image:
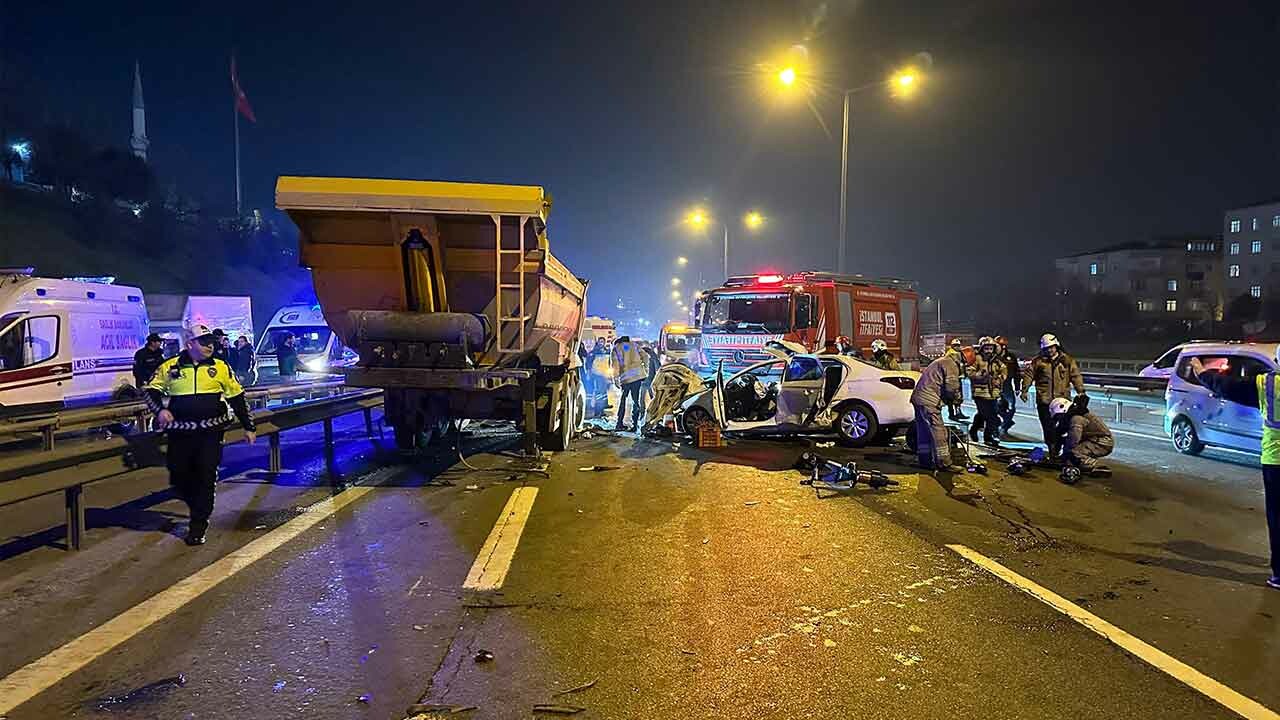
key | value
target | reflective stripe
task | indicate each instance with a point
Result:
(1267, 400)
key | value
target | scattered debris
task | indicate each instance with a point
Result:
(259, 527)
(146, 693)
(279, 685)
(473, 487)
(363, 699)
(424, 522)
(587, 435)
(558, 709)
(687, 652)
(706, 540)
(751, 503)
(599, 468)
(825, 444)
(827, 474)
(915, 628)
(579, 688)
(484, 656)
(419, 628)
(828, 642)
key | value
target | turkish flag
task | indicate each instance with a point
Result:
(242, 101)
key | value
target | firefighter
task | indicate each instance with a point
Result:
(939, 384)
(955, 408)
(881, 356)
(630, 369)
(986, 379)
(1054, 374)
(1085, 438)
(187, 396)
(845, 346)
(1012, 383)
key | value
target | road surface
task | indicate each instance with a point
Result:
(681, 583)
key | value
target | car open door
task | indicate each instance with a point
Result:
(802, 394)
(717, 396)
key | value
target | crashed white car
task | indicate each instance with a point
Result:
(799, 392)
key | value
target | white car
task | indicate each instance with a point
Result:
(798, 392)
(1162, 367)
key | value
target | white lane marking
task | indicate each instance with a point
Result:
(1243, 706)
(30, 680)
(491, 565)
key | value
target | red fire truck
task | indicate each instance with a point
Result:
(811, 308)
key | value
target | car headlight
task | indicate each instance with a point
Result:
(317, 365)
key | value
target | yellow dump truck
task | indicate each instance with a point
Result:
(451, 297)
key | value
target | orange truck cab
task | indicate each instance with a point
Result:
(810, 308)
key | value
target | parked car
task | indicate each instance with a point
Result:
(799, 392)
(1195, 417)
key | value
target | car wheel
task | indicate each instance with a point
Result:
(1185, 439)
(857, 424)
(694, 418)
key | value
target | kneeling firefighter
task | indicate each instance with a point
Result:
(187, 396)
(1085, 438)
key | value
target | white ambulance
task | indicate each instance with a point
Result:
(66, 342)
(319, 348)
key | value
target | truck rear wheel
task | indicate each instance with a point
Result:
(559, 438)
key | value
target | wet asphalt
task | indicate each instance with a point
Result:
(685, 583)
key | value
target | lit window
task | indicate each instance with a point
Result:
(1255, 291)
(1146, 306)
(1172, 285)
(1188, 247)
(1255, 223)
(1255, 247)
(1093, 268)
(1235, 226)
(1275, 221)
(1235, 249)
(1233, 271)
(1171, 306)
(1195, 305)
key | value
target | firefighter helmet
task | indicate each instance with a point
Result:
(1049, 340)
(1059, 406)
(879, 345)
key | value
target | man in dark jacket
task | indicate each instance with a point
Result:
(147, 359)
(1054, 374)
(287, 357)
(1012, 383)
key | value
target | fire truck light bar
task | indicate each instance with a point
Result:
(768, 279)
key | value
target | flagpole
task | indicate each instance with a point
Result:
(235, 112)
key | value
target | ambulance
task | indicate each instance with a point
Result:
(320, 351)
(66, 342)
(678, 342)
(812, 309)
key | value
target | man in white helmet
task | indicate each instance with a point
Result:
(190, 394)
(881, 356)
(1085, 438)
(1054, 374)
(1264, 391)
(986, 381)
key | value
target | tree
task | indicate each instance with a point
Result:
(113, 174)
(61, 158)
(1244, 308)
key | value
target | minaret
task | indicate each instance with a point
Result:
(139, 140)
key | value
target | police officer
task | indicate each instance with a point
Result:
(187, 395)
(1054, 374)
(1261, 390)
(629, 371)
(881, 356)
(147, 359)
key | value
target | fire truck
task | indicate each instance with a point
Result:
(810, 308)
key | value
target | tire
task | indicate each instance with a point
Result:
(1184, 437)
(857, 424)
(559, 439)
(406, 437)
(695, 417)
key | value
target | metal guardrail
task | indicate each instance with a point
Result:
(1130, 382)
(1111, 365)
(50, 425)
(69, 468)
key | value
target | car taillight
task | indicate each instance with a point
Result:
(902, 383)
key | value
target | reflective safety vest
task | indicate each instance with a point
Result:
(1270, 417)
(630, 365)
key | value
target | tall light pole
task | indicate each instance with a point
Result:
(698, 219)
(903, 84)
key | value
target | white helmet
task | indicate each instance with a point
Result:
(198, 331)
(879, 345)
(986, 340)
(1059, 406)
(1048, 340)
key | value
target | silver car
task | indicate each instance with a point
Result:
(1195, 418)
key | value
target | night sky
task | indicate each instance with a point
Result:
(1043, 128)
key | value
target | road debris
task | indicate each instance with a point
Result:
(145, 694)
(472, 487)
(827, 474)
(279, 685)
(751, 503)
(706, 540)
(824, 444)
(424, 522)
(578, 688)
(423, 710)
(420, 628)
(484, 656)
(599, 468)
(828, 642)
(558, 709)
(363, 698)
(687, 652)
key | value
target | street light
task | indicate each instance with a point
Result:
(698, 219)
(903, 84)
(682, 261)
(675, 295)
(787, 76)
(675, 281)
